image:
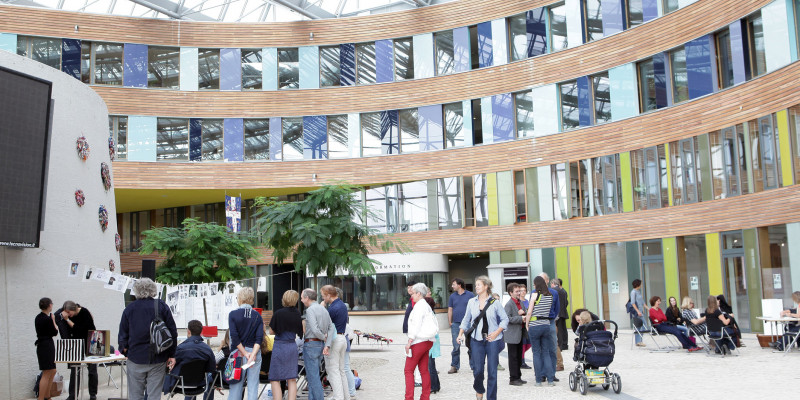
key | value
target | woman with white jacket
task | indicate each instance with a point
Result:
(422, 330)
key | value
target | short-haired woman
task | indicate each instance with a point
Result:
(718, 321)
(486, 336)
(286, 324)
(660, 323)
(247, 331)
(45, 325)
(687, 311)
(420, 341)
(538, 320)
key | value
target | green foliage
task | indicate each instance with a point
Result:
(322, 232)
(200, 252)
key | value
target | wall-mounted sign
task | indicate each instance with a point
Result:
(393, 263)
(614, 287)
(776, 281)
(518, 272)
(694, 283)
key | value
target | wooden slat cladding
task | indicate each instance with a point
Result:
(772, 207)
(672, 30)
(753, 99)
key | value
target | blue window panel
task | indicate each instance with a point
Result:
(390, 132)
(741, 68)
(142, 134)
(276, 139)
(309, 67)
(195, 139)
(233, 139)
(777, 48)
(424, 65)
(536, 28)
(135, 65)
(315, 137)
(584, 102)
(8, 42)
(461, 51)
(188, 78)
(624, 91)
(230, 69)
(384, 61)
(431, 131)
(347, 61)
(699, 62)
(499, 42)
(650, 10)
(269, 71)
(485, 55)
(660, 74)
(71, 57)
(502, 117)
(613, 12)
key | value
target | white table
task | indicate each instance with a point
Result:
(78, 367)
(783, 321)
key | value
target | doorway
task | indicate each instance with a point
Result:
(734, 277)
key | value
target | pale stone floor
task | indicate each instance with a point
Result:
(755, 374)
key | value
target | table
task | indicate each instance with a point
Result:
(783, 321)
(78, 366)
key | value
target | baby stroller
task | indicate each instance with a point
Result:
(594, 352)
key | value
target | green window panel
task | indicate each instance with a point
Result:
(704, 163)
(785, 148)
(532, 193)
(505, 198)
(670, 253)
(627, 181)
(714, 262)
(752, 263)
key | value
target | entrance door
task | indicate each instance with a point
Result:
(654, 284)
(735, 278)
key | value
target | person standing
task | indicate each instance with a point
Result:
(45, 325)
(563, 315)
(436, 351)
(555, 353)
(334, 360)
(146, 370)
(484, 322)
(456, 307)
(513, 335)
(286, 324)
(538, 317)
(639, 320)
(75, 322)
(420, 341)
(319, 334)
(247, 332)
(526, 340)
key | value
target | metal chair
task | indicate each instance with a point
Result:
(192, 379)
(720, 339)
(699, 333)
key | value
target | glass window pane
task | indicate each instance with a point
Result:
(212, 139)
(635, 13)
(639, 181)
(523, 103)
(107, 64)
(558, 177)
(755, 32)
(769, 154)
(208, 69)
(365, 58)
(453, 125)
(717, 165)
(252, 67)
(376, 209)
(481, 200)
(337, 137)
(444, 52)
(392, 209)
(671, 5)
(602, 98)
(724, 59)
(288, 68)
(647, 86)
(449, 199)
(256, 139)
(44, 50)
(329, 67)
(163, 67)
(413, 206)
(594, 20)
(680, 84)
(292, 139)
(731, 160)
(518, 36)
(371, 134)
(519, 196)
(409, 131)
(558, 28)
(474, 51)
(86, 61)
(403, 59)
(172, 139)
(569, 105)
(118, 126)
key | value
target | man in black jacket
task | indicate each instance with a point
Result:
(75, 322)
(193, 349)
(561, 323)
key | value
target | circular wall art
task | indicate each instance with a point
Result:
(105, 174)
(111, 265)
(118, 241)
(112, 149)
(102, 217)
(80, 198)
(82, 146)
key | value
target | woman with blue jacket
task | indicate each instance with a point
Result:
(247, 331)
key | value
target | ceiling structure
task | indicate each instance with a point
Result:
(231, 10)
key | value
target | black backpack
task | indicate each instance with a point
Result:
(160, 337)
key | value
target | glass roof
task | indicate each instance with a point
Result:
(231, 10)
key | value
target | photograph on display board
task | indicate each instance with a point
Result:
(87, 276)
(99, 343)
(73, 269)
(192, 290)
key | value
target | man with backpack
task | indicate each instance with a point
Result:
(147, 336)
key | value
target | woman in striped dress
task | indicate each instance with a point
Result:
(539, 332)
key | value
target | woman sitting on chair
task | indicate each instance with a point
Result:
(674, 316)
(698, 324)
(717, 321)
(727, 310)
(661, 325)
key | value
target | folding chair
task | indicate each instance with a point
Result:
(108, 367)
(698, 334)
(191, 381)
(672, 345)
(791, 337)
(720, 338)
(641, 330)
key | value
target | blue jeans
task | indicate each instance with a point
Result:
(673, 330)
(250, 377)
(486, 353)
(641, 324)
(541, 342)
(456, 353)
(312, 358)
(351, 379)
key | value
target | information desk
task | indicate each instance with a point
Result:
(78, 367)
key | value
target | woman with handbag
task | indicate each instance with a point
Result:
(483, 326)
(45, 325)
(247, 332)
(538, 319)
(422, 331)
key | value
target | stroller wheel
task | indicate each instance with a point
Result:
(572, 381)
(583, 384)
(606, 386)
(616, 383)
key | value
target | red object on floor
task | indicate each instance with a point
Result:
(209, 332)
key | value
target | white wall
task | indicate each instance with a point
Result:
(70, 232)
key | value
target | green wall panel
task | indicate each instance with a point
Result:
(670, 252)
(491, 193)
(532, 194)
(704, 162)
(506, 209)
(787, 171)
(752, 264)
(627, 181)
(575, 278)
(714, 262)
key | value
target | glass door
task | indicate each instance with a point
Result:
(735, 278)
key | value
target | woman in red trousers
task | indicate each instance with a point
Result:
(422, 330)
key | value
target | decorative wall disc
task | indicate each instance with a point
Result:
(112, 149)
(82, 146)
(80, 198)
(102, 216)
(118, 241)
(111, 266)
(105, 175)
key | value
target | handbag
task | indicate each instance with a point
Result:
(233, 368)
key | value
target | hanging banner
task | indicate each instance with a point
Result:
(233, 213)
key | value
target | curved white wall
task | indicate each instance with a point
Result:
(70, 232)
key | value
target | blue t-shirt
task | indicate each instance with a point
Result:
(458, 302)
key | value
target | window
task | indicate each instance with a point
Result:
(683, 161)
(569, 105)
(523, 106)
(212, 139)
(409, 130)
(371, 134)
(118, 128)
(558, 178)
(647, 85)
(724, 59)
(518, 36)
(403, 59)
(107, 63)
(365, 63)
(292, 139)
(256, 139)
(755, 39)
(764, 153)
(445, 58)
(481, 200)
(337, 137)
(449, 200)
(794, 133)
(477, 122)
(172, 143)
(601, 92)
(252, 67)
(671, 5)
(593, 16)
(329, 66)
(386, 292)
(680, 81)
(727, 162)
(376, 209)
(163, 67)
(86, 61)
(208, 69)
(288, 69)
(579, 191)
(413, 206)
(469, 201)
(607, 182)
(44, 50)
(635, 13)
(453, 125)
(558, 27)
(519, 195)
(474, 48)
(649, 178)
